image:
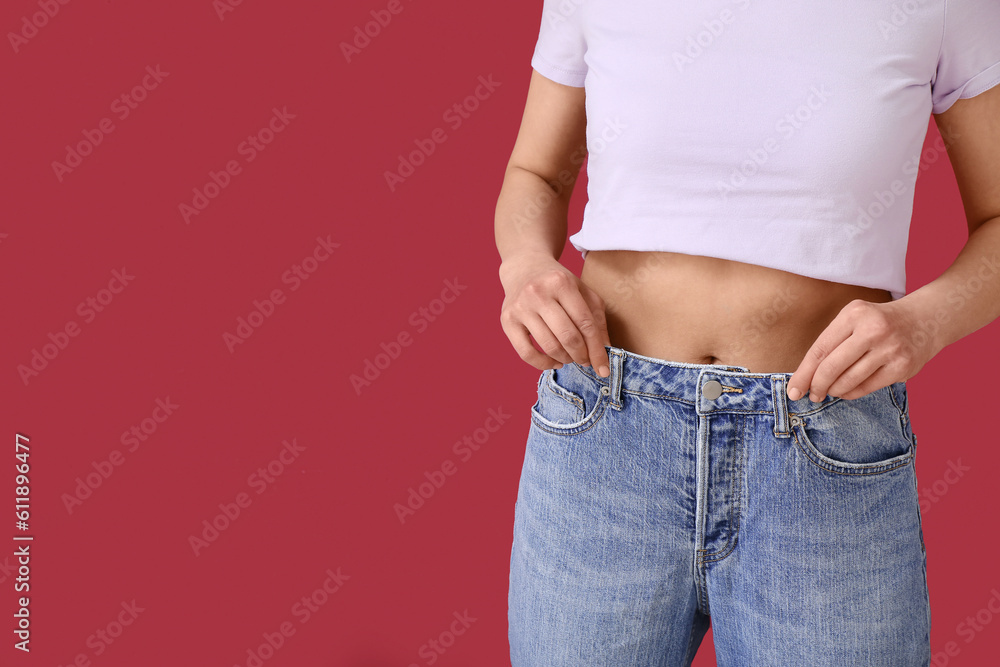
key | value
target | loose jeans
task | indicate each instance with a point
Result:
(671, 494)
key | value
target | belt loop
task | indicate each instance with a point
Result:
(779, 396)
(617, 358)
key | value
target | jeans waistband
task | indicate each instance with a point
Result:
(710, 388)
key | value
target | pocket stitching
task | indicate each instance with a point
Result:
(570, 429)
(904, 418)
(823, 462)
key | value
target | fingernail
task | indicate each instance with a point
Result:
(604, 371)
(794, 394)
(814, 398)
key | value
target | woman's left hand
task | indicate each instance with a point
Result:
(867, 346)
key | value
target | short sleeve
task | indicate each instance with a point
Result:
(560, 49)
(969, 63)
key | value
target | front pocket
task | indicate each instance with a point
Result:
(569, 400)
(864, 436)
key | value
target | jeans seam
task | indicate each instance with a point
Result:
(734, 508)
(903, 418)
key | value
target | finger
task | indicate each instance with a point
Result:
(857, 373)
(589, 320)
(542, 332)
(518, 335)
(880, 378)
(835, 333)
(597, 306)
(566, 333)
(839, 361)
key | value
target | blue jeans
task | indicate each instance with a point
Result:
(674, 494)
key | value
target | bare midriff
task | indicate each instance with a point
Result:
(705, 310)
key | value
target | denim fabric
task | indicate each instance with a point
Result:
(647, 509)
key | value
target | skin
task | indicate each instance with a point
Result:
(837, 339)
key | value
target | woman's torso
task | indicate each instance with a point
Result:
(697, 309)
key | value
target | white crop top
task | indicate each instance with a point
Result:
(782, 134)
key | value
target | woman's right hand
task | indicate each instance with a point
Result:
(548, 301)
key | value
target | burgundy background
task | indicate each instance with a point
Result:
(162, 336)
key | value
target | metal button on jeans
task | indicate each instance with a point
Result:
(712, 389)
